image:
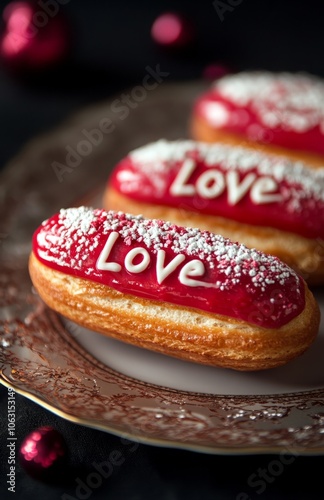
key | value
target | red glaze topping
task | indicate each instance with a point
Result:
(232, 182)
(160, 261)
(281, 108)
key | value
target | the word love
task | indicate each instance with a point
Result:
(138, 259)
(211, 183)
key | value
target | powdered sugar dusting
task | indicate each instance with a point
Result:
(291, 101)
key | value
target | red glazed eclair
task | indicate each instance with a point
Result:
(280, 113)
(263, 201)
(179, 291)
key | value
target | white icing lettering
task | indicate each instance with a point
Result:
(237, 190)
(210, 184)
(141, 266)
(262, 189)
(179, 186)
(163, 271)
(193, 268)
(102, 263)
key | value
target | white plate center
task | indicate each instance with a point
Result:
(302, 374)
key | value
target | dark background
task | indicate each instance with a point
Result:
(111, 48)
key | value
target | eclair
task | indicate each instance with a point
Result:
(179, 291)
(263, 201)
(281, 113)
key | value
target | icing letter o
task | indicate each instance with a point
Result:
(141, 266)
(211, 184)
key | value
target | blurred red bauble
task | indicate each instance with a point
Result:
(33, 38)
(43, 452)
(214, 71)
(172, 30)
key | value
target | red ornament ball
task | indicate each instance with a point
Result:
(43, 452)
(35, 35)
(214, 71)
(172, 30)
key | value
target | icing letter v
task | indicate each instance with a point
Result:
(237, 190)
(162, 271)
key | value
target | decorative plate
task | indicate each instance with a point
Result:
(97, 382)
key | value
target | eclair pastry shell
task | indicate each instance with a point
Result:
(201, 130)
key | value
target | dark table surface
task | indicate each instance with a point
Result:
(112, 47)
